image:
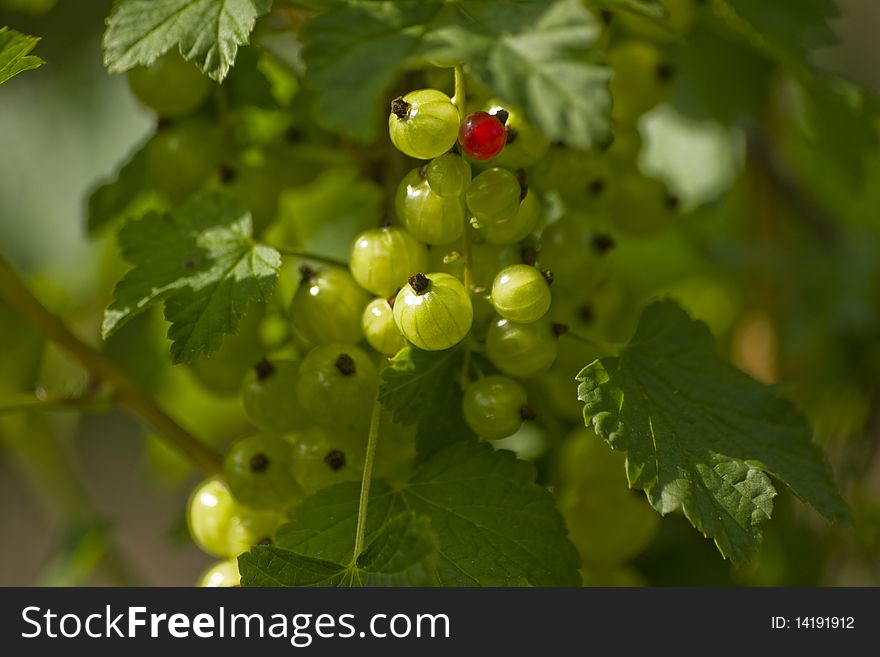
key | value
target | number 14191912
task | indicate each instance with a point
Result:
(825, 622)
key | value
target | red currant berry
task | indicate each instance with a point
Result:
(482, 135)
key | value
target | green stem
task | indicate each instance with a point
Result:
(459, 99)
(85, 404)
(372, 441)
(127, 393)
(467, 275)
(465, 376)
(610, 348)
(305, 255)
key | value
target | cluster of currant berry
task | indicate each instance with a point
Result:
(466, 260)
(455, 267)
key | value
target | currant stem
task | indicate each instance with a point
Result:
(126, 392)
(372, 441)
(459, 99)
(467, 275)
(610, 348)
(83, 404)
(464, 377)
(306, 255)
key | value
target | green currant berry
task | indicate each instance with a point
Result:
(521, 350)
(513, 228)
(327, 306)
(642, 205)
(210, 510)
(269, 396)
(250, 527)
(170, 86)
(521, 293)
(641, 79)
(224, 528)
(494, 194)
(224, 371)
(429, 217)
(380, 329)
(423, 124)
(486, 260)
(337, 385)
(433, 312)
(322, 457)
(577, 251)
(221, 574)
(257, 471)
(593, 497)
(583, 179)
(448, 175)
(529, 442)
(180, 158)
(382, 259)
(495, 406)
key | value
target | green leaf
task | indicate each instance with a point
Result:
(700, 435)
(547, 70)
(843, 125)
(530, 53)
(201, 261)
(403, 553)
(709, 57)
(788, 31)
(206, 31)
(420, 387)
(14, 57)
(352, 55)
(495, 526)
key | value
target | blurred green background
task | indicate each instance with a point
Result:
(92, 500)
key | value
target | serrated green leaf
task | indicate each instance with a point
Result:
(532, 54)
(202, 262)
(206, 31)
(701, 436)
(352, 53)
(495, 526)
(420, 387)
(269, 565)
(546, 69)
(403, 553)
(14, 57)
